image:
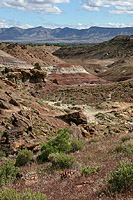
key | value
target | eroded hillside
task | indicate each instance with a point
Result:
(31, 54)
(76, 126)
(111, 60)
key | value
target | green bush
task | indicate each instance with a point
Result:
(10, 194)
(8, 172)
(93, 139)
(37, 66)
(61, 160)
(89, 170)
(2, 154)
(6, 70)
(122, 178)
(24, 157)
(60, 143)
(76, 145)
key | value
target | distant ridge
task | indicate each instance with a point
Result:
(62, 35)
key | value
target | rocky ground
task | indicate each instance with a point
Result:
(35, 103)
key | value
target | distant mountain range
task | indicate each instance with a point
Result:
(61, 35)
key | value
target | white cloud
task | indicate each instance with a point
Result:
(11, 23)
(41, 6)
(90, 8)
(117, 25)
(80, 25)
(115, 6)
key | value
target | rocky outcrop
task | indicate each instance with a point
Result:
(26, 75)
(76, 117)
(32, 75)
(37, 76)
(11, 140)
(14, 76)
(15, 135)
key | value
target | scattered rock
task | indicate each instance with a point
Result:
(3, 105)
(14, 102)
(88, 131)
(31, 178)
(31, 146)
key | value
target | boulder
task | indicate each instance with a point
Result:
(76, 131)
(76, 117)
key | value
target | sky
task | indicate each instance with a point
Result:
(78, 14)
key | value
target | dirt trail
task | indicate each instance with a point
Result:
(89, 111)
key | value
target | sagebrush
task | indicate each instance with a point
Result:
(122, 178)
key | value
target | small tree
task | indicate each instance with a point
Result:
(60, 143)
(37, 66)
(6, 70)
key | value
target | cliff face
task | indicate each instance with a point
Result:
(71, 74)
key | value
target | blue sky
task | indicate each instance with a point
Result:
(66, 13)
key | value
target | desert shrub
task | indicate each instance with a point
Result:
(61, 160)
(47, 150)
(127, 149)
(2, 154)
(76, 145)
(122, 178)
(60, 143)
(8, 172)
(10, 194)
(89, 170)
(89, 157)
(6, 70)
(93, 139)
(119, 148)
(24, 157)
(125, 138)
